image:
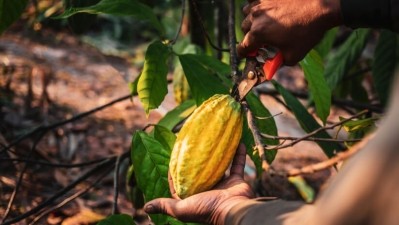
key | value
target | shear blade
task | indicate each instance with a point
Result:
(245, 87)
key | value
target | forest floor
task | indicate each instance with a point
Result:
(56, 76)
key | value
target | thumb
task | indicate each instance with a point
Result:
(248, 45)
(161, 205)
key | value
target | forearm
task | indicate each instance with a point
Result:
(254, 212)
(371, 13)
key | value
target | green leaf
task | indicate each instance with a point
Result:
(133, 86)
(151, 162)
(325, 45)
(119, 8)
(203, 83)
(304, 189)
(10, 11)
(386, 57)
(342, 60)
(312, 66)
(176, 115)
(263, 119)
(307, 122)
(358, 125)
(120, 219)
(222, 70)
(166, 137)
(152, 85)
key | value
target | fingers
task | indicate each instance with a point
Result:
(246, 24)
(161, 205)
(172, 187)
(237, 167)
(248, 44)
(247, 8)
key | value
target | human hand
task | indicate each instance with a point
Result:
(210, 206)
(294, 27)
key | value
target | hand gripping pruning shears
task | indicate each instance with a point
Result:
(260, 66)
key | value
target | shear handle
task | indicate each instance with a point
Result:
(271, 65)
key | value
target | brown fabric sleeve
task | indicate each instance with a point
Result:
(367, 13)
(253, 212)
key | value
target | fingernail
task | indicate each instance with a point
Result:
(149, 208)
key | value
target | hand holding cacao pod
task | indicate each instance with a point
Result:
(205, 146)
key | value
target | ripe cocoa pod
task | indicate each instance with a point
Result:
(205, 145)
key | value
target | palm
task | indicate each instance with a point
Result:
(210, 206)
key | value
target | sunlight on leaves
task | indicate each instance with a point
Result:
(313, 69)
(152, 84)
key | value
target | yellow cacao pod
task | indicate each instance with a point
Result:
(205, 145)
(181, 89)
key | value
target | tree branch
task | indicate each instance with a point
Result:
(18, 184)
(335, 101)
(116, 185)
(66, 189)
(71, 198)
(309, 139)
(232, 42)
(46, 128)
(257, 137)
(183, 12)
(317, 131)
(341, 156)
(61, 165)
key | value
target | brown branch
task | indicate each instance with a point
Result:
(46, 128)
(116, 184)
(232, 42)
(257, 137)
(66, 189)
(335, 101)
(318, 130)
(63, 165)
(183, 12)
(309, 139)
(72, 197)
(341, 156)
(19, 182)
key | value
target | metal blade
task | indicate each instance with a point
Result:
(247, 84)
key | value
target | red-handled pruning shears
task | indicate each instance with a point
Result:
(259, 67)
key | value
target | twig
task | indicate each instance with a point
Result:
(61, 165)
(201, 22)
(116, 185)
(18, 184)
(257, 137)
(341, 156)
(183, 12)
(66, 189)
(318, 130)
(310, 139)
(232, 42)
(45, 128)
(71, 198)
(335, 101)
